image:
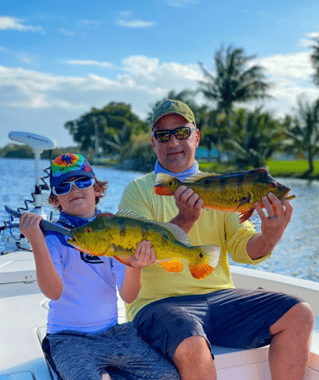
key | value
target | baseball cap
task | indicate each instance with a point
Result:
(168, 107)
(69, 165)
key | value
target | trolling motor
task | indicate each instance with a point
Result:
(11, 239)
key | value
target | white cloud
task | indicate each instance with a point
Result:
(140, 81)
(66, 32)
(308, 42)
(135, 23)
(89, 62)
(12, 23)
(295, 66)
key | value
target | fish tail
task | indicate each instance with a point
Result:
(162, 187)
(210, 254)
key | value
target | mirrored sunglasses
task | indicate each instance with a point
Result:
(79, 183)
(180, 133)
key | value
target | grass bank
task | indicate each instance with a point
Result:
(294, 169)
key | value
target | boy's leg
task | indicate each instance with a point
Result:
(119, 350)
(134, 358)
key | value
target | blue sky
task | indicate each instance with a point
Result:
(58, 59)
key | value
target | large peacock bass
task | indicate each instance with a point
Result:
(119, 235)
(228, 192)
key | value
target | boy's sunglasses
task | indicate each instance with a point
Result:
(180, 133)
(79, 183)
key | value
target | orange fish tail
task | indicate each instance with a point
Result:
(200, 271)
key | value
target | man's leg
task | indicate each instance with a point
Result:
(194, 360)
(290, 343)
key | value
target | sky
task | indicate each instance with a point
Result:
(58, 59)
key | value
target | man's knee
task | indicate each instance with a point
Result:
(190, 348)
(299, 318)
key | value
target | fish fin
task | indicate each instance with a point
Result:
(245, 215)
(200, 271)
(78, 248)
(173, 265)
(130, 214)
(105, 215)
(198, 176)
(244, 201)
(211, 253)
(120, 254)
(120, 259)
(178, 233)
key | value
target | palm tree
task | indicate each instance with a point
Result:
(256, 137)
(303, 132)
(235, 81)
(315, 60)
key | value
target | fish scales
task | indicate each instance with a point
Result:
(119, 235)
(235, 192)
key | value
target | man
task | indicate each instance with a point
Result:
(182, 316)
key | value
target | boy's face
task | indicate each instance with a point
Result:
(78, 202)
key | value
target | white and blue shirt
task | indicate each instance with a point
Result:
(89, 301)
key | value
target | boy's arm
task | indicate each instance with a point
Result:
(48, 278)
(144, 255)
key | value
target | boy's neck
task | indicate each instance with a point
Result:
(88, 215)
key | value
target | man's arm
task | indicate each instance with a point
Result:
(271, 229)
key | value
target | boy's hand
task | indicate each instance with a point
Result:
(30, 225)
(144, 255)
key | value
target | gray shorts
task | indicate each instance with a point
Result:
(119, 351)
(231, 318)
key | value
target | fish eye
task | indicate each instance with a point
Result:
(170, 183)
(273, 185)
(201, 255)
(89, 230)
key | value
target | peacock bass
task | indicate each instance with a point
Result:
(119, 235)
(228, 192)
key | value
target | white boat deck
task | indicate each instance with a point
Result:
(23, 314)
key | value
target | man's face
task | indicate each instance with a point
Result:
(175, 155)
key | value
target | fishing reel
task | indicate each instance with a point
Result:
(11, 238)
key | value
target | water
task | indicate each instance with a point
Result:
(297, 254)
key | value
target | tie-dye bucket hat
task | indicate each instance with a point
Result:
(69, 165)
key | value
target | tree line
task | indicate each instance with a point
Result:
(249, 136)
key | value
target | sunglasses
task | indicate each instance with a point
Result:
(180, 133)
(79, 183)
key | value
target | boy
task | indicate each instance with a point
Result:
(83, 337)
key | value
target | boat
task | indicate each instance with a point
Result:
(23, 311)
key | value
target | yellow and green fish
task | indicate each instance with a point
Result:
(229, 192)
(119, 235)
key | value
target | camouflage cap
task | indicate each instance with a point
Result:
(168, 107)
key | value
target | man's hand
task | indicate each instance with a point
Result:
(190, 207)
(144, 255)
(272, 226)
(279, 216)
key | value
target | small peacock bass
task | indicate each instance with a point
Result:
(228, 192)
(119, 235)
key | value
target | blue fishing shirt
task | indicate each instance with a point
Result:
(89, 301)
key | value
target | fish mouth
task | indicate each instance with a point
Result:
(283, 191)
(162, 190)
